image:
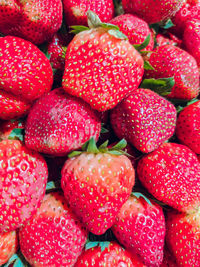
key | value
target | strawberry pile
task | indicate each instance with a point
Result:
(100, 133)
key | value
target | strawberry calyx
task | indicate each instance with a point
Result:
(102, 245)
(17, 134)
(91, 147)
(138, 195)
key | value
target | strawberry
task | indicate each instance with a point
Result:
(25, 74)
(183, 238)
(54, 236)
(135, 29)
(101, 66)
(168, 39)
(144, 119)
(107, 254)
(152, 11)
(76, 11)
(96, 183)
(59, 123)
(6, 128)
(172, 175)
(168, 259)
(188, 127)
(140, 227)
(8, 246)
(35, 21)
(22, 186)
(191, 39)
(171, 61)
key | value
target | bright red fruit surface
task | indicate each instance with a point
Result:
(8, 246)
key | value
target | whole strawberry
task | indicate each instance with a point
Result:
(171, 61)
(59, 123)
(76, 11)
(25, 74)
(107, 254)
(188, 127)
(101, 66)
(183, 238)
(172, 175)
(140, 227)
(136, 29)
(35, 21)
(144, 119)
(22, 186)
(96, 184)
(152, 11)
(54, 236)
(8, 246)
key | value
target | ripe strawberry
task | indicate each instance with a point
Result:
(76, 11)
(191, 39)
(102, 67)
(8, 246)
(59, 123)
(144, 119)
(188, 127)
(6, 128)
(172, 175)
(171, 61)
(54, 236)
(22, 186)
(152, 11)
(183, 238)
(25, 74)
(96, 183)
(135, 29)
(140, 227)
(107, 254)
(35, 21)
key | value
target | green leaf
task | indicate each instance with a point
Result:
(148, 66)
(17, 260)
(78, 28)
(117, 34)
(194, 100)
(138, 195)
(104, 130)
(167, 24)
(17, 133)
(93, 19)
(109, 26)
(120, 145)
(115, 152)
(104, 245)
(92, 147)
(74, 154)
(44, 49)
(85, 145)
(52, 186)
(143, 45)
(161, 86)
(104, 145)
(91, 245)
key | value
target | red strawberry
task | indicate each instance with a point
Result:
(140, 227)
(76, 11)
(22, 186)
(135, 29)
(171, 61)
(183, 238)
(35, 21)
(107, 254)
(102, 67)
(54, 236)
(144, 119)
(191, 39)
(152, 10)
(8, 246)
(172, 175)
(25, 74)
(59, 123)
(7, 127)
(188, 127)
(168, 259)
(96, 184)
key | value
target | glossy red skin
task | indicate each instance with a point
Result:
(171, 61)
(108, 68)
(188, 127)
(191, 39)
(112, 256)
(76, 11)
(54, 236)
(140, 227)
(23, 182)
(35, 21)
(135, 29)
(152, 11)
(96, 186)
(8, 246)
(6, 127)
(144, 119)
(172, 175)
(183, 238)
(59, 123)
